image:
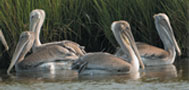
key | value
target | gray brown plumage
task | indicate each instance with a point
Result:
(99, 62)
(152, 55)
(46, 59)
(37, 18)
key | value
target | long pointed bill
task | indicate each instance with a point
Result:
(174, 40)
(129, 39)
(2, 38)
(33, 25)
(35, 18)
(176, 46)
(169, 32)
(42, 12)
(19, 49)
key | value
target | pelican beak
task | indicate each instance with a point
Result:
(129, 40)
(23, 42)
(125, 38)
(34, 19)
(167, 29)
(177, 47)
(33, 25)
(2, 38)
(175, 42)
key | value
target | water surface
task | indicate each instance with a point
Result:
(165, 77)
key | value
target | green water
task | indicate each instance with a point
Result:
(166, 77)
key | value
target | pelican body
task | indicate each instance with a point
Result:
(152, 55)
(37, 18)
(105, 63)
(52, 57)
(2, 38)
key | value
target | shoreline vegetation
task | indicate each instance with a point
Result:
(87, 22)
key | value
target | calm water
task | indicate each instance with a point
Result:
(169, 77)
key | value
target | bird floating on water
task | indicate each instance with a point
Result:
(52, 57)
(106, 63)
(152, 55)
(37, 18)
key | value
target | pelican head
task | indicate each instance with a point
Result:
(24, 45)
(37, 17)
(165, 31)
(122, 32)
(2, 38)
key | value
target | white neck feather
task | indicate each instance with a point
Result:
(37, 30)
(134, 60)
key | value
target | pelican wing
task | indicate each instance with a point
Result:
(71, 46)
(151, 52)
(104, 61)
(78, 49)
(146, 51)
(51, 53)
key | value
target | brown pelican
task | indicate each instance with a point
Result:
(107, 63)
(3, 40)
(50, 58)
(37, 18)
(152, 55)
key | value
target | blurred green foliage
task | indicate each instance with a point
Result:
(87, 22)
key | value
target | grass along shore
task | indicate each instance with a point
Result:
(87, 22)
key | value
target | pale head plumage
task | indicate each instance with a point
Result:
(122, 32)
(24, 45)
(165, 31)
(37, 18)
(120, 25)
(161, 16)
(35, 15)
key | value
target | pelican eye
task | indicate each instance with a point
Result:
(32, 17)
(127, 28)
(22, 36)
(162, 18)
